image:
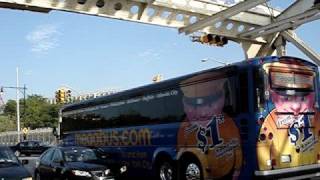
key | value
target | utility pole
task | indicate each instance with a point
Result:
(18, 106)
(18, 90)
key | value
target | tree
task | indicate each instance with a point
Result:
(10, 109)
(36, 112)
(39, 113)
(7, 124)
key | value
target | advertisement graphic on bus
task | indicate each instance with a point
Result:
(290, 133)
(256, 118)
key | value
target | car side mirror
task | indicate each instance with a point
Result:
(61, 162)
(24, 161)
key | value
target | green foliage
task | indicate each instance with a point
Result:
(10, 109)
(35, 112)
(7, 124)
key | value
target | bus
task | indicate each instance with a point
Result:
(255, 119)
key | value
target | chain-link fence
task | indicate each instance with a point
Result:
(44, 135)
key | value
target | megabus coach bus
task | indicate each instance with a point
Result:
(249, 120)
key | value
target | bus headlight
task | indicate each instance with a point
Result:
(81, 173)
(107, 172)
(28, 178)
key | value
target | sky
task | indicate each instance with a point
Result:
(89, 54)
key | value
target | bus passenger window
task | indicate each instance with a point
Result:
(260, 79)
(243, 92)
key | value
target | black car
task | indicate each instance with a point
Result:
(74, 163)
(10, 167)
(29, 147)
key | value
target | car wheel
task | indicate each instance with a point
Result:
(17, 153)
(190, 170)
(166, 171)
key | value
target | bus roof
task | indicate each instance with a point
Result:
(173, 82)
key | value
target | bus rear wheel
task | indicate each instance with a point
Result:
(190, 170)
(166, 171)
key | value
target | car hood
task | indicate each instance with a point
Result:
(86, 166)
(14, 172)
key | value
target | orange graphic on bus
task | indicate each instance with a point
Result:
(289, 136)
(209, 132)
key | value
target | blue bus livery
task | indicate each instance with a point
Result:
(251, 119)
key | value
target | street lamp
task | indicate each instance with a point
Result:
(208, 59)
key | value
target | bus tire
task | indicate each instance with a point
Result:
(190, 169)
(166, 170)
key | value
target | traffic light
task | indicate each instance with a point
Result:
(157, 78)
(68, 95)
(212, 39)
(60, 96)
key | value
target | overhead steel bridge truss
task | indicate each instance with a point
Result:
(260, 29)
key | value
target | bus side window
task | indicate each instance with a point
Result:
(243, 103)
(243, 92)
(259, 89)
(174, 107)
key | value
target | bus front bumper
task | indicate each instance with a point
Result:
(301, 172)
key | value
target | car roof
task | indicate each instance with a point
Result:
(31, 141)
(64, 148)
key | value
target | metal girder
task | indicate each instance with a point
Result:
(300, 12)
(289, 19)
(24, 7)
(221, 16)
(294, 39)
(267, 49)
(298, 7)
(256, 28)
(168, 13)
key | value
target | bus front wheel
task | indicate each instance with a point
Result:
(190, 170)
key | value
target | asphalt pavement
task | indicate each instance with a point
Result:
(34, 158)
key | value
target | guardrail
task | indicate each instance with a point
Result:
(44, 135)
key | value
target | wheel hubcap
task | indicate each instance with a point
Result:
(193, 172)
(166, 172)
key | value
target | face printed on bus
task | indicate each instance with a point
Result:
(293, 103)
(203, 101)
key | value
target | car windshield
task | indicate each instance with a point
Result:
(79, 155)
(7, 157)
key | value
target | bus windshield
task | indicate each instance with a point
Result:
(299, 81)
(292, 88)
